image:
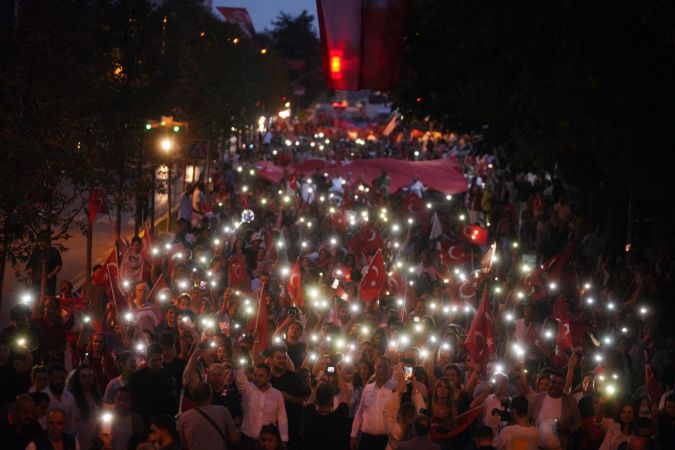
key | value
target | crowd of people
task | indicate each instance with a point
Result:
(326, 312)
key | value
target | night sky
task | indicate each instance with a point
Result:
(264, 11)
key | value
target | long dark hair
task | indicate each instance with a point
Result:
(356, 378)
(77, 390)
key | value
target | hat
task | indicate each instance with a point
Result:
(256, 237)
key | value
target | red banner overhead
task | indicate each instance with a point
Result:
(362, 42)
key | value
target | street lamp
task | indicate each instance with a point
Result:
(166, 144)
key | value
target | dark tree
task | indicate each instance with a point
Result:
(585, 85)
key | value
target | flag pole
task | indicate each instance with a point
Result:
(257, 317)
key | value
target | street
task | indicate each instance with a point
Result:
(75, 248)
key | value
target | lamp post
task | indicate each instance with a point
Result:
(166, 144)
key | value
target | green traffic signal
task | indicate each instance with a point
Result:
(176, 129)
(148, 126)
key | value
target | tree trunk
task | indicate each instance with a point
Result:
(37, 305)
(118, 218)
(152, 200)
(3, 265)
(90, 236)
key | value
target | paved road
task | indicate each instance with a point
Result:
(74, 257)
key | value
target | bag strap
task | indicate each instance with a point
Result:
(212, 422)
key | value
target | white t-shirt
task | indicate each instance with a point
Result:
(551, 410)
(516, 437)
(337, 184)
(131, 268)
(492, 402)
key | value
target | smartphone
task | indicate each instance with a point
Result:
(330, 369)
(202, 285)
(408, 373)
(106, 422)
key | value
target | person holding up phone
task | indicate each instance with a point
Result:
(399, 416)
(325, 425)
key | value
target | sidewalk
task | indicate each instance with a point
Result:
(74, 257)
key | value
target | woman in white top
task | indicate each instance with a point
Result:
(399, 417)
(616, 430)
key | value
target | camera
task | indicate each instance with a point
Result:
(330, 369)
(504, 413)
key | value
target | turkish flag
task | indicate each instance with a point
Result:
(480, 340)
(473, 234)
(396, 283)
(97, 203)
(366, 240)
(555, 265)
(337, 220)
(148, 239)
(74, 305)
(561, 314)
(148, 317)
(456, 254)
(462, 422)
(533, 286)
(342, 273)
(468, 288)
(100, 276)
(237, 277)
(295, 286)
(373, 282)
(533, 338)
(414, 206)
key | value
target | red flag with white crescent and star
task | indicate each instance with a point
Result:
(374, 280)
(414, 206)
(473, 234)
(456, 255)
(367, 240)
(295, 286)
(555, 265)
(97, 204)
(480, 340)
(237, 277)
(561, 314)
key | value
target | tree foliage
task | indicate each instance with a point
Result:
(587, 85)
(78, 81)
(295, 39)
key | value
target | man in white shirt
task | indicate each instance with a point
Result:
(520, 436)
(522, 326)
(494, 401)
(555, 414)
(369, 420)
(416, 187)
(55, 435)
(262, 405)
(59, 397)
